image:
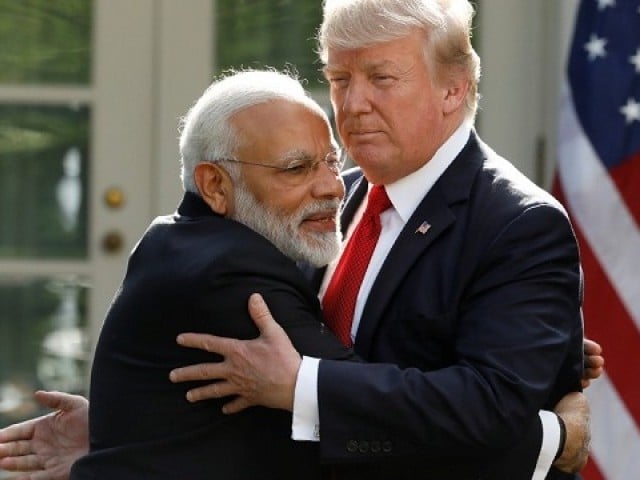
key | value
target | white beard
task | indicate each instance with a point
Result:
(315, 248)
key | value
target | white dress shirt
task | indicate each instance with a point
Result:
(405, 195)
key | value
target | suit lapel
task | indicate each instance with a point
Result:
(354, 199)
(432, 215)
(435, 215)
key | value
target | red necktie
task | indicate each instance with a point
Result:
(339, 300)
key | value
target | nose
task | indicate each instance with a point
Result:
(355, 99)
(327, 184)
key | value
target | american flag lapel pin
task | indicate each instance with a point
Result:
(423, 228)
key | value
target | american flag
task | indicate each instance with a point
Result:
(599, 181)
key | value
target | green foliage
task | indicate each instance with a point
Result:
(45, 41)
(274, 33)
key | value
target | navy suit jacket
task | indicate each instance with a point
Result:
(476, 325)
(194, 271)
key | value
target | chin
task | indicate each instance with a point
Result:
(319, 252)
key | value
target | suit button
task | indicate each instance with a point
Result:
(363, 446)
(375, 446)
(387, 446)
(352, 446)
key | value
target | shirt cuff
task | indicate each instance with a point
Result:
(550, 444)
(306, 418)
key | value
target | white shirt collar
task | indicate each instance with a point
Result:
(407, 193)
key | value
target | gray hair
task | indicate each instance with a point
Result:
(206, 132)
(352, 24)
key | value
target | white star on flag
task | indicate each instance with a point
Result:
(602, 4)
(631, 110)
(595, 47)
(635, 60)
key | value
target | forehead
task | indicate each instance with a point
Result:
(391, 54)
(270, 129)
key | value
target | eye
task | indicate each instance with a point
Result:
(298, 168)
(381, 78)
(334, 160)
(339, 81)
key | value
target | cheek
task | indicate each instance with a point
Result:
(284, 201)
(337, 101)
(342, 131)
(337, 97)
(415, 118)
(264, 191)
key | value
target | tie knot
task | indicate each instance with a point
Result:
(378, 200)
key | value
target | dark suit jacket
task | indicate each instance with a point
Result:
(194, 271)
(478, 322)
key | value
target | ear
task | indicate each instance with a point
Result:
(455, 94)
(215, 187)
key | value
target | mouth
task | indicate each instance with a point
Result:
(364, 132)
(325, 221)
(364, 135)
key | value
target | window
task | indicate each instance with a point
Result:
(45, 77)
(259, 33)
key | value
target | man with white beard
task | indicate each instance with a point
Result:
(256, 152)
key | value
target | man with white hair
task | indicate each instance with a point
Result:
(256, 152)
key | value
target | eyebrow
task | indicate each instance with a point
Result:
(303, 155)
(367, 66)
(296, 156)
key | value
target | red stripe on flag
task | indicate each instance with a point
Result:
(591, 471)
(626, 176)
(608, 322)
